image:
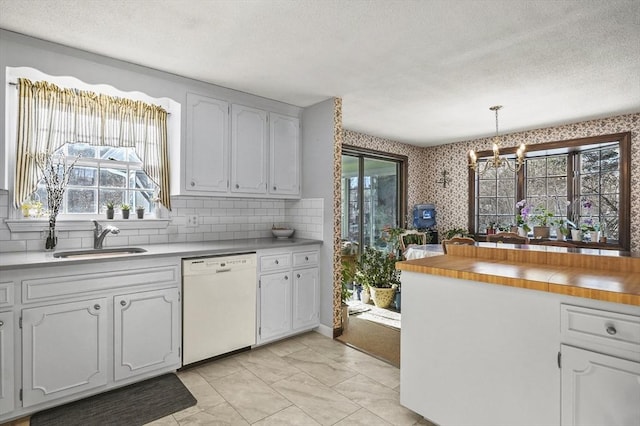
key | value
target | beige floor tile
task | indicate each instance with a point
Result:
(319, 401)
(286, 347)
(200, 389)
(219, 368)
(164, 421)
(290, 416)
(377, 398)
(267, 365)
(328, 347)
(249, 395)
(187, 412)
(363, 417)
(373, 368)
(220, 415)
(320, 367)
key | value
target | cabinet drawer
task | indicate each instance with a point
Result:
(600, 327)
(275, 262)
(305, 258)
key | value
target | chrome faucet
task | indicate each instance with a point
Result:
(99, 233)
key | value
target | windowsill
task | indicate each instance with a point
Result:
(37, 225)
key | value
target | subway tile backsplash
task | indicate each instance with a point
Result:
(218, 219)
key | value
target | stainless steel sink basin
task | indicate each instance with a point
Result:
(104, 252)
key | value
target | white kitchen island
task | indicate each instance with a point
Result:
(484, 336)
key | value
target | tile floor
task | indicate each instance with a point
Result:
(305, 380)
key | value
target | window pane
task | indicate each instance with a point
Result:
(487, 188)
(81, 149)
(115, 196)
(487, 206)
(139, 179)
(557, 166)
(83, 176)
(113, 178)
(143, 199)
(536, 167)
(589, 184)
(81, 201)
(506, 206)
(507, 188)
(536, 187)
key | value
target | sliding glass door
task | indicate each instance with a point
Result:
(372, 197)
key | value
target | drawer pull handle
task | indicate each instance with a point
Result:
(611, 330)
(306, 258)
(277, 262)
(298, 275)
(96, 307)
(1, 323)
(123, 303)
(286, 277)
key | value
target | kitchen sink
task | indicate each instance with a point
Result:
(103, 252)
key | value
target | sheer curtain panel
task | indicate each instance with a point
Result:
(50, 116)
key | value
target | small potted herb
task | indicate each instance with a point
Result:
(110, 210)
(125, 210)
(140, 212)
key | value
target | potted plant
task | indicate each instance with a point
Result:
(541, 217)
(125, 210)
(491, 228)
(562, 228)
(455, 232)
(140, 212)
(348, 276)
(522, 218)
(377, 272)
(110, 211)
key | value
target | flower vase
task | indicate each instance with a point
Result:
(52, 239)
(522, 232)
(576, 235)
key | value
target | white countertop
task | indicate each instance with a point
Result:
(17, 260)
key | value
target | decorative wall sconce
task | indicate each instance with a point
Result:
(444, 180)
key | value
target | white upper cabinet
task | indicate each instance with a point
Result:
(248, 150)
(232, 150)
(284, 155)
(207, 150)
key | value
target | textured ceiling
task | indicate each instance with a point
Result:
(423, 72)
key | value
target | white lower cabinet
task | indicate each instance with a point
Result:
(64, 349)
(306, 290)
(289, 293)
(146, 331)
(6, 363)
(87, 328)
(599, 389)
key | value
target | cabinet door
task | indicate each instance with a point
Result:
(146, 332)
(6, 363)
(64, 349)
(207, 149)
(284, 155)
(248, 150)
(599, 389)
(275, 305)
(306, 302)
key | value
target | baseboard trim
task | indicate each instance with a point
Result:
(325, 331)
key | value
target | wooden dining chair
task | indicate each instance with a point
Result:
(457, 241)
(508, 238)
(412, 237)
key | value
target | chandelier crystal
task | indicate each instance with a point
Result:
(497, 161)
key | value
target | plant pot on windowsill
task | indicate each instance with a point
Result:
(541, 232)
(140, 213)
(110, 213)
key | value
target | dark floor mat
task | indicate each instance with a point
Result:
(135, 404)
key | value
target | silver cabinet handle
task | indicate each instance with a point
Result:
(237, 186)
(96, 307)
(123, 303)
(611, 330)
(193, 183)
(306, 258)
(298, 275)
(1, 323)
(277, 263)
(274, 188)
(286, 277)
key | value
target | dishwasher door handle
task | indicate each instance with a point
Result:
(223, 270)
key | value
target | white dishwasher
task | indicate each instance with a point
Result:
(219, 305)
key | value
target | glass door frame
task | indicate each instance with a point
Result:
(401, 183)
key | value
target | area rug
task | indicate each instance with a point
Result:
(135, 404)
(375, 339)
(369, 312)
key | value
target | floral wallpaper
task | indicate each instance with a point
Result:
(426, 165)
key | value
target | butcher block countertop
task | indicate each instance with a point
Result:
(601, 275)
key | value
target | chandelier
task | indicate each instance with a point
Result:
(497, 161)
